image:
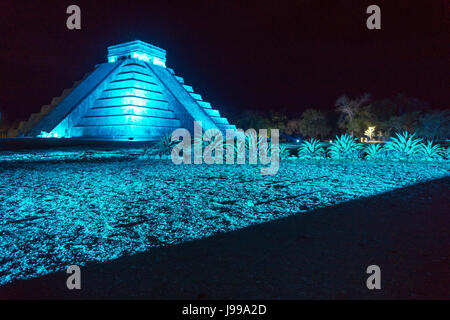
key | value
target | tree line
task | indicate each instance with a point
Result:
(361, 116)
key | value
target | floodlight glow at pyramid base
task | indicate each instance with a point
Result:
(133, 95)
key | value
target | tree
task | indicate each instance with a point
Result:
(393, 124)
(278, 120)
(408, 104)
(434, 125)
(361, 120)
(313, 124)
(252, 120)
(292, 127)
(349, 109)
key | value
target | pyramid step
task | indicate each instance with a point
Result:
(134, 75)
(127, 120)
(56, 100)
(134, 63)
(179, 79)
(224, 127)
(220, 120)
(196, 96)
(76, 83)
(134, 68)
(87, 74)
(25, 126)
(131, 110)
(35, 117)
(212, 112)
(134, 101)
(124, 132)
(124, 92)
(65, 92)
(188, 88)
(21, 125)
(45, 109)
(205, 104)
(133, 83)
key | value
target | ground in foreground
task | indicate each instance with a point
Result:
(152, 204)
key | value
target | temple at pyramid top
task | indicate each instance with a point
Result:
(132, 96)
(138, 50)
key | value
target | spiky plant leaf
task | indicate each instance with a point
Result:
(404, 146)
(283, 152)
(446, 153)
(374, 151)
(344, 147)
(311, 149)
(431, 152)
(162, 147)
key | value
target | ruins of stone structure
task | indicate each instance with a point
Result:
(133, 96)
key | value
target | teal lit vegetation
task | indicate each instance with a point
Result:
(375, 151)
(311, 149)
(98, 205)
(112, 203)
(344, 147)
(404, 146)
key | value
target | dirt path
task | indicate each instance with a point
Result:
(319, 255)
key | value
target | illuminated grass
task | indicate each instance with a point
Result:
(59, 213)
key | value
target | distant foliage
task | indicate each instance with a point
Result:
(313, 124)
(404, 147)
(434, 125)
(311, 149)
(431, 152)
(375, 151)
(354, 114)
(344, 147)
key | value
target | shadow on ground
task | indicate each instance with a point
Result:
(319, 255)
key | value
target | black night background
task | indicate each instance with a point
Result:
(261, 55)
(321, 171)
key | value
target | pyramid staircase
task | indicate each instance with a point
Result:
(132, 97)
(24, 127)
(221, 122)
(132, 105)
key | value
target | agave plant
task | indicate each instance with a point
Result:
(404, 146)
(344, 147)
(431, 152)
(252, 144)
(162, 147)
(374, 151)
(311, 149)
(283, 152)
(446, 153)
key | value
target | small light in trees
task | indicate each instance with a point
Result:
(369, 132)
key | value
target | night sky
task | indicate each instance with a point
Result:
(237, 54)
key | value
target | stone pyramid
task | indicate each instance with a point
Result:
(133, 96)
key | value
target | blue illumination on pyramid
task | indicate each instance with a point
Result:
(132, 96)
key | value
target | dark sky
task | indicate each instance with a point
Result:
(237, 54)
